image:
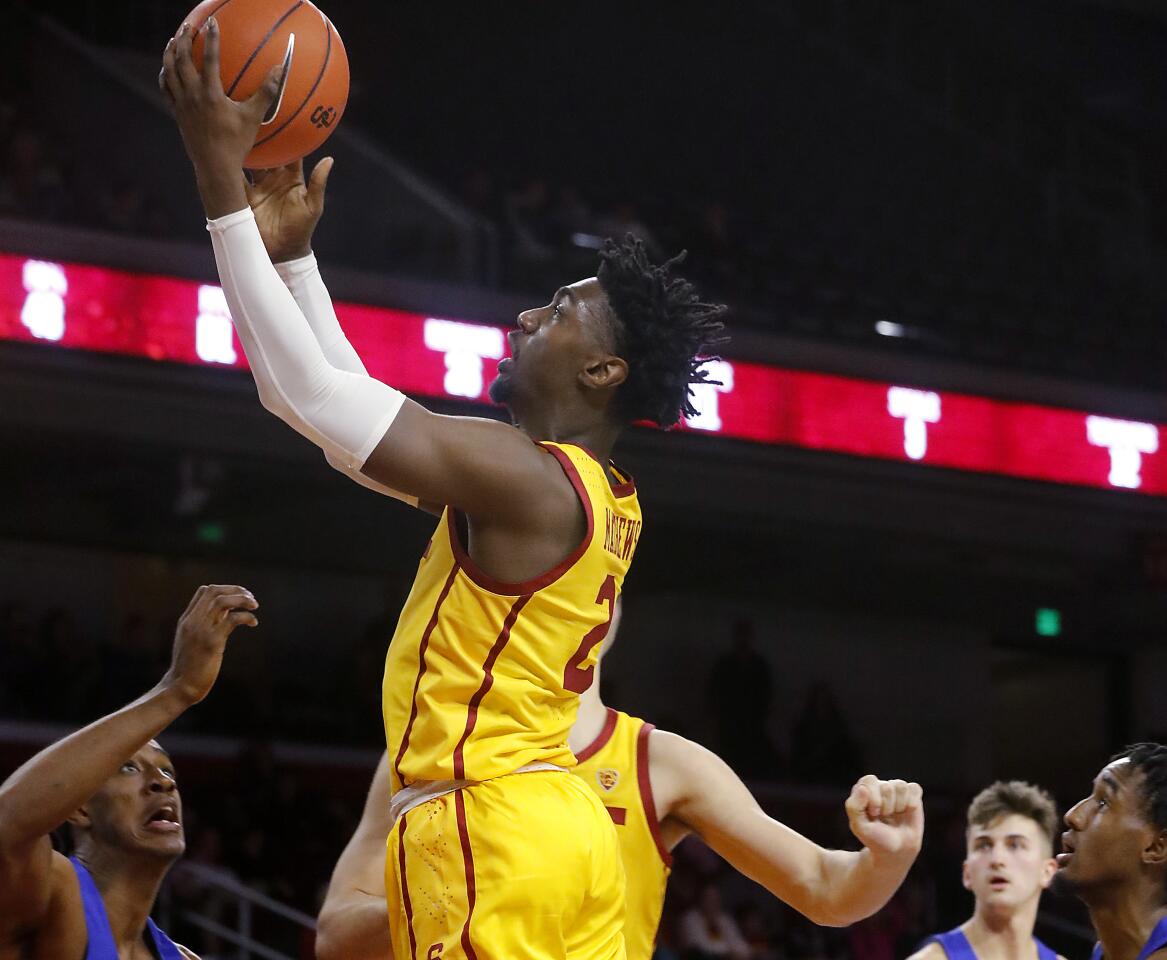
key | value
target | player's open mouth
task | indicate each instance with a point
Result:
(998, 883)
(164, 820)
(505, 364)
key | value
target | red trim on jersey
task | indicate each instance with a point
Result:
(487, 682)
(645, 783)
(604, 736)
(425, 642)
(405, 887)
(626, 486)
(484, 580)
(618, 814)
(468, 860)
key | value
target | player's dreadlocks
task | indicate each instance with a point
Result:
(1151, 760)
(664, 329)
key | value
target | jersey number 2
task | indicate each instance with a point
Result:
(575, 679)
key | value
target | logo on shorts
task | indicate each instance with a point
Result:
(608, 778)
(434, 952)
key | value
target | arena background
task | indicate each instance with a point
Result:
(958, 199)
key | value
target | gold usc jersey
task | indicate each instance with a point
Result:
(483, 677)
(615, 766)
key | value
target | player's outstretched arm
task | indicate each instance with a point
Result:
(829, 887)
(287, 208)
(43, 793)
(354, 920)
(485, 468)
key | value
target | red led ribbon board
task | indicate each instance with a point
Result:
(83, 307)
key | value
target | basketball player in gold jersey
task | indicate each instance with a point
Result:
(659, 787)
(496, 851)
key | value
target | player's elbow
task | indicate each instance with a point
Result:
(353, 928)
(271, 401)
(817, 895)
(330, 941)
(829, 917)
(820, 911)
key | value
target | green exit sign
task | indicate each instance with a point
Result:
(1048, 622)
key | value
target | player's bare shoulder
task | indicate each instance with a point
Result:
(58, 929)
(675, 765)
(932, 951)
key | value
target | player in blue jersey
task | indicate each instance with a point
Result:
(1008, 863)
(1114, 855)
(116, 789)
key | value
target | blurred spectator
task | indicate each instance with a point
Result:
(740, 694)
(569, 215)
(757, 931)
(624, 218)
(198, 891)
(528, 220)
(708, 931)
(822, 748)
(32, 183)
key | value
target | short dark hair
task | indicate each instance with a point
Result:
(1151, 760)
(663, 331)
(1014, 796)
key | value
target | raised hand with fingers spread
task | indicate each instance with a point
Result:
(209, 619)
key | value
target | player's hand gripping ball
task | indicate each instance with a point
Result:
(257, 35)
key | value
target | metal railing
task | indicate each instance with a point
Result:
(246, 901)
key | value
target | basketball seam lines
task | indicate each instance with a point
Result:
(308, 96)
(262, 43)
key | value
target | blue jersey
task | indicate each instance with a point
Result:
(1157, 941)
(101, 945)
(955, 944)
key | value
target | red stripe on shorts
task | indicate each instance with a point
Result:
(425, 642)
(487, 683)
(405, 887)
(468, 860)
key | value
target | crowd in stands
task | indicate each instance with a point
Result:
(961, 270)
(969, 266)
(41, 181)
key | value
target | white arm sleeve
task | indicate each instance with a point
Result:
(344, 413)
(303, 280)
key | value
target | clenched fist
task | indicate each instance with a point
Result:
(887, 816)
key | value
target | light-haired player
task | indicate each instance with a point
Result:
(1008, 863)
(658, 788)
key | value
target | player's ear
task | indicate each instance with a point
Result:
(1048, 869)
(604, 372)
(1155, 852)
(80, 818)
(966, 875)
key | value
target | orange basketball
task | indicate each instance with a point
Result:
(254, 36)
